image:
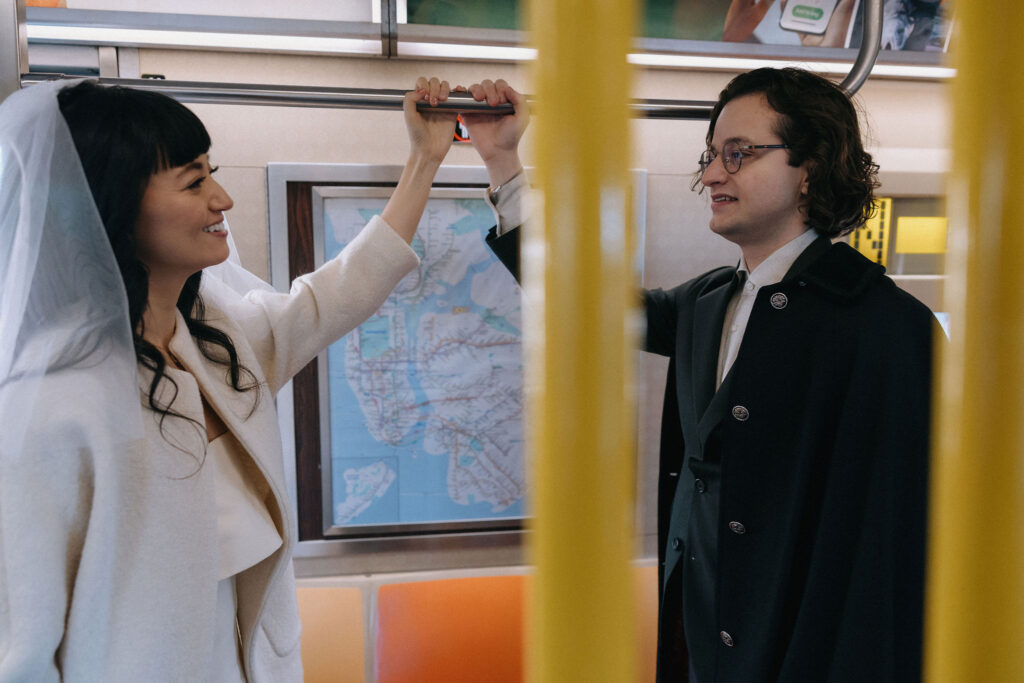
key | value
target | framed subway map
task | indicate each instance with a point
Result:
(404, 440)
(412, 423)
(424, 399)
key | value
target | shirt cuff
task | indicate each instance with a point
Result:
(511, 209)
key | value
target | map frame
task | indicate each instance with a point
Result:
(289, 183)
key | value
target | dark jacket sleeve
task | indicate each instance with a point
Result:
(661, 311)
(506, 248)
(659, 306)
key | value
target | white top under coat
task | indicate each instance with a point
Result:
(245, 531)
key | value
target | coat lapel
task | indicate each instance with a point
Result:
(233, 407)
(708, 316)
(718, 407)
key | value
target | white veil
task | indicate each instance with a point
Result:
(67, 361)
(68, 373)
(226, 284)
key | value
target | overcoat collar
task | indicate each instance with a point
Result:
(836, 269)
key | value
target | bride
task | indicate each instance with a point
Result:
(145, 532)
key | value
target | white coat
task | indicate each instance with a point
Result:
(108, 562)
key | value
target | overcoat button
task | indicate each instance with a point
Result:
(779, 300)
(726, 638)
(676, 544)
(740, 413)
(737, 528)
(699, 485)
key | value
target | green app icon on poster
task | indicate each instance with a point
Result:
(807, 16)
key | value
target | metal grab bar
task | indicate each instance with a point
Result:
(349, 98)
(282, 95)
(362, 98)
(870, 44)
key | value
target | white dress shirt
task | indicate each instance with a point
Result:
(511, 208)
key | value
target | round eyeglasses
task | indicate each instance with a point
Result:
(732, 155)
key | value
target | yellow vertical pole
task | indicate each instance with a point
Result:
(975, 617)
(577, 274)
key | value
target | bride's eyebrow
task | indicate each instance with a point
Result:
(194, 166)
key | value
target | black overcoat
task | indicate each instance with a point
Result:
(805, 475)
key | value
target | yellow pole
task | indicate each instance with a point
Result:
(577, 273)
(975, 618)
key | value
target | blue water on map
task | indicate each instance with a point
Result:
(420, 491)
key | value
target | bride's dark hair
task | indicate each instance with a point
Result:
(123, 136)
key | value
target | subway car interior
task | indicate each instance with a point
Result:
(479, 479)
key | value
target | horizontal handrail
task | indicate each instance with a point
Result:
(348, 98)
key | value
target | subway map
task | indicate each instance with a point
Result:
(426, 396)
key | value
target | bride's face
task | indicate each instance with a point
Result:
(181, 229)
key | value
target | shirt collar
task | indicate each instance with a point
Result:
(774, 268)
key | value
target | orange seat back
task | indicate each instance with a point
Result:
(332, 634)
(450, 631)
(645, 583)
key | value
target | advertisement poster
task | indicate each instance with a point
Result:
(910, 25)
